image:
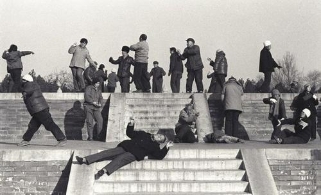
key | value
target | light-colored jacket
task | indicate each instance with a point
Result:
(232, 92)
(79, 57)
(141, 51)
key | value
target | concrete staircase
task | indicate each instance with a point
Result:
(183, 171)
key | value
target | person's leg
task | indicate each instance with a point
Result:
(313, 127)
(137, 76)
(101, 85)
(109, 154)
(81, 81)
(228, 122)
(126, 84)
(121, 82)
(178, 82)
(235, 118)
(111, 89)
(173, 82)
(11, 83)
(266, 83)
(145, 78)
(89, 122)
(74, 77)
(99, 122)
(189, 137)
(16, 77)
(199, 80)
(189, 81)
(118, 162)
(220, 81)
(276, 129)
(293, 140)
(181, 131)
(33, 127)
(158, 86)
(45, 118)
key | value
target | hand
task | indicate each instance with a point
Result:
(111, 59)
(315, 97)
(32, 53)
(273, 101)
(131, 120)
(169, 144)
(280, 67)
(197, 114)
(209, 59)
(75, 44)
(279, 123)
(178, 51)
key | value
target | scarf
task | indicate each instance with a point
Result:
(274, 109)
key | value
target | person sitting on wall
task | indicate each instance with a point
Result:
(301, 134)
(140, 146)
(220, 137)
(185, 128)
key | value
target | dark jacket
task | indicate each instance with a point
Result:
(220, 64)
(92, 95)
(89, 74)
(14, 58)
(176, 64)
(186, 117)
(112, 79)
(267, 63)
(101, 75)
(124, 65)
(157, 73)
(300, 131)
(33, 98)
(305, 100)
(141, 145)
(193, 56)
(282, 112)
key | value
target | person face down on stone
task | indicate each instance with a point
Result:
(140, 146)
(218, 136)
(38, 108)
(301, 134)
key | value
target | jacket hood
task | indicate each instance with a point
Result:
(220, 53)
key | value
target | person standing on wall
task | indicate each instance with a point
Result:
(220, 71)
(175, 70)
(101, 74)
(112, 81)
(80, 54)
(141, 75)
(14, 66)
(267, 65)
(89, 73)
(157, 73)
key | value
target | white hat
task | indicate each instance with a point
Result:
(267, 43)
(28, 78)
(307, 112)
(113, 70)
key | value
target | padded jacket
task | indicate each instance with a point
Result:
(220, 64)
(124, 65)
(267, 63)
(14, 58)
(193, 56)
(33, 98)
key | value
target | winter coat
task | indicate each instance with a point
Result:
(79, 57)
(141, 51)
(14, 59)
(124, 65)
(305, 100)
(193, 56)
(186, 117)
(282, 112)
(299, 130)
(232, 92)
(267, 63)
(157, 73)
(220, 64)
(89, 74)
(112, 80)
(33, 98)
(176, 64)
(141, 145)
(92, 95)
(101, 75)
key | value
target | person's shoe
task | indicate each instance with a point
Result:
(278, 140)
(23, 143)
(312, 139)
(99, 174)
(188, 92)
(147, 91)
(61, 143)
(138, 91)
(80, 160)
(90, 139)
(273, 141)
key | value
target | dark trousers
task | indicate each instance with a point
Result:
(141, 76)
(15, 82)
(313, 126)
(184, 134)
(118, 156)
(198, 76)
(276, 129)
(265, 88)
(79, 82)
(91, 115)
(220, 80)
(232, 122)
(43, 118)
(124, 84)
(176, 81)
(289, 137)
(157, 86)
(110, 89)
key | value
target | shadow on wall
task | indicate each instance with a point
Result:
(319, 121)
(104, 113)
(74, 122)
(62, 184)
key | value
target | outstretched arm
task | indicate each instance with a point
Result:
(24, 53)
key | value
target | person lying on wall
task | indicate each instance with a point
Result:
(219, 137)
(301, 134)
(142, 145)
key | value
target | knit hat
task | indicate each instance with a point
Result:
(275, 92)
(125, 48)
(190, 39)
(95, 80)
(155, 62)
(266, 43)
(307, 112)
(101, 66)
(28, 78)
(172, 49)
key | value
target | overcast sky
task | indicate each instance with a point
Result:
(49, 27)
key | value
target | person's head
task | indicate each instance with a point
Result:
(190, 42)
(189, 106)
(143, 37)
(13, 48)
(307, 87)
(125, 51)
(96, 83)
(306, 113)
(83, 42)
(27, 78)
(155, 63)
(275, 93)
(172, 50)
(267, 44)
(101, 67)
(159, 138)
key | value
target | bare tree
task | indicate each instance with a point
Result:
(62, 78)
(314, 79)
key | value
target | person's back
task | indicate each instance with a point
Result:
(176, 64)
(141, 51)
(233, 92)
(33, 98)
(89, 74)
(220, 65)
(112, 79)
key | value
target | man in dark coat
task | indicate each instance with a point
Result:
(301, 134)
(194, 66)
(220, 71)
(38, 108)
(123, 73)
(101, 75)
(175, 70)
(157, 73)
(277, 111)
(267, 65)
(308, 100)
(89, 73)
(140, 146)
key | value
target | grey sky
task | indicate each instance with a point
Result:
(49, 27)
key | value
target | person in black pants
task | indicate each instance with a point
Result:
(175, 70)
(220, 71)
(157, 73)
(38, 108)
(140, 146)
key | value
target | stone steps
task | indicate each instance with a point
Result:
(180, 193)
